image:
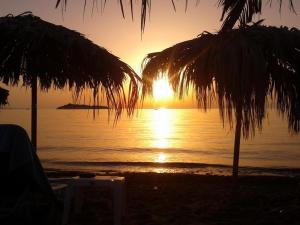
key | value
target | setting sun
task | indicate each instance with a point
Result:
(162, 89)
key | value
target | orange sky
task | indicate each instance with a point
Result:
(123, 37)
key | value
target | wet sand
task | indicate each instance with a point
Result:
(182, 199)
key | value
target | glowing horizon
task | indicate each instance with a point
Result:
(124, 39)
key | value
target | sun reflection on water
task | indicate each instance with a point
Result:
(161, 128)
(161, 158)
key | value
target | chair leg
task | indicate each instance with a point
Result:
(67, 205)
(78, 201)
(118, 204)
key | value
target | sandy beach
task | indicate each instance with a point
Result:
(180, 199)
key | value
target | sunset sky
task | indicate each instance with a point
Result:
(123, 37)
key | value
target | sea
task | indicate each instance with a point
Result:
(157, 140)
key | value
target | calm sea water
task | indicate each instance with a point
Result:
(163, 140)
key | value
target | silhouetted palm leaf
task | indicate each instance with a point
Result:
(3, 96)
(233, 10)
(243, 10)
(145, 8)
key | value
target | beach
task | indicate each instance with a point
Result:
(177, 168)
(190, 112)
(182, 199)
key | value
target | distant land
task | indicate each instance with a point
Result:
(78, 106)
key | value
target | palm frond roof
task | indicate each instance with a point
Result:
(59, 57)
(240, 69)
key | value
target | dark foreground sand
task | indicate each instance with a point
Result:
(181, 199)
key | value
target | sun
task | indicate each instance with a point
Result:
(162, 89)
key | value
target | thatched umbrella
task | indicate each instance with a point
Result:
(56, 56)
(3, 96)
(242, 70)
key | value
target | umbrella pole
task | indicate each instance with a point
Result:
(33, 110)
(237, 139)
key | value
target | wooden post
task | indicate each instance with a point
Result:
(33, 110)
(237, 138)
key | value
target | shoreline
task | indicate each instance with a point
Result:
(111, 168)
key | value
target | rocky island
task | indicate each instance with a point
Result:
(78, 106)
